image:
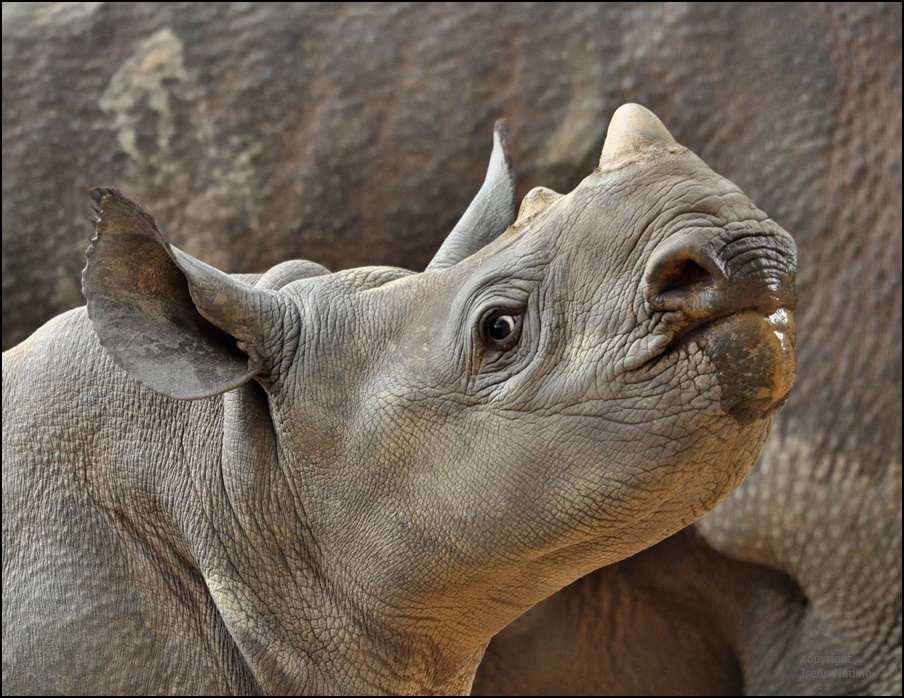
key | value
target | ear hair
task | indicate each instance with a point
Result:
(171, 321)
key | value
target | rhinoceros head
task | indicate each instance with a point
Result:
(455, 445)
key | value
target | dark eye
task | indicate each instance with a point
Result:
(501, 329)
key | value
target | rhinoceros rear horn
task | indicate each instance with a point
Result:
(181, 327)
(490, 213)
(633, 129)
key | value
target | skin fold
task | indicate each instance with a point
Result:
(311, 482)
(258, 133)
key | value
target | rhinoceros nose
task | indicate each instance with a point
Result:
(708, 273)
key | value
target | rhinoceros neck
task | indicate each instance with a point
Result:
(294, 625)
(347, 659)
(296, 636)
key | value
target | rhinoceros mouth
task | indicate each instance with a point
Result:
(779, 324)
(750, 354)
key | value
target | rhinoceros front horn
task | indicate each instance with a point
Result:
(634, 129)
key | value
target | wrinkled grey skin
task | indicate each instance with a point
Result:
(352, 133)
(381, 479)
(803, 561)
(347, 141)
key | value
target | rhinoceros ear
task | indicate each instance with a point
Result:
(179, 326)
(490, 213)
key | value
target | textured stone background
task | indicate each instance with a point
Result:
(356, 134)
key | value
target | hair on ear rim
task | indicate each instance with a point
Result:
(141, 306)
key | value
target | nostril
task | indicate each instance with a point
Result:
(684, 275)
(705, 274)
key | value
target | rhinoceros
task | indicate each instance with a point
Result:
(312, 482)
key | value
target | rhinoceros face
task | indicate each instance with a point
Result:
(477, 436)
(597, 378)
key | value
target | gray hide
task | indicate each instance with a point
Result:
(355, 135)
(391, 466)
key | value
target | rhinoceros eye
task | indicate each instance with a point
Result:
(501, 329)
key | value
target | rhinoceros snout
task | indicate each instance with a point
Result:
(709, 273)
(731, 292)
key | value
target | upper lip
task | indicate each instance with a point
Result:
(775, 314)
